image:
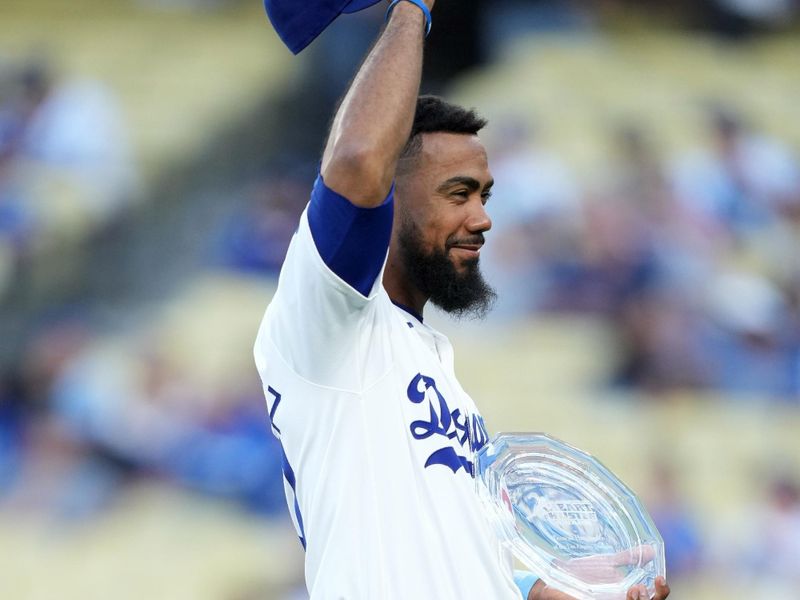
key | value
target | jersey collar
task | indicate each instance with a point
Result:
(410, 311)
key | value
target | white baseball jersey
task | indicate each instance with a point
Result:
(377, 433)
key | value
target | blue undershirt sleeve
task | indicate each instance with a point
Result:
(525, 580)
(352, 241)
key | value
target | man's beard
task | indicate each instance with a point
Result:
(462, 295)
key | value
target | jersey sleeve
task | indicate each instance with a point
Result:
(351, 241)
(324, 307)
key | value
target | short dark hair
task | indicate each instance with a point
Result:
(434, 115)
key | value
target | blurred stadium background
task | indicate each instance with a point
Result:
(154, 156)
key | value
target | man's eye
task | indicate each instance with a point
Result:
(485, 196)
(462, 193)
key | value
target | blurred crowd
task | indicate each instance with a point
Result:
(66, 168)
(80, 419)
(693, 259)
(82, 415)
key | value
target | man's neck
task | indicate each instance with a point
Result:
(401, 291)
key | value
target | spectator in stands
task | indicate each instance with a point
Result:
(753, 339)
(507, 21)
(231, 454)
(55, 472)
(791, 289)
(653, 262)
(644, 256)
(743, 18)
(743, 181)
(9, 120)
(766, 555)
(11, 429)
(139, 414)
(16, 220)
(661, 338)
(617, 254)
(777, 548)
(257, 236)
(535, 218)
(66, 161)
(675, 522)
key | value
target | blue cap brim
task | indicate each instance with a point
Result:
(357, 5)
(298, 23)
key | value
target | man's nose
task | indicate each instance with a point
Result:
(478, 220)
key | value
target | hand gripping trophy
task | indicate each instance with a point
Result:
(567, 517)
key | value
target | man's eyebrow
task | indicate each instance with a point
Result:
(470, 183)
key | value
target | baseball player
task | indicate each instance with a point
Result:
(376, 431)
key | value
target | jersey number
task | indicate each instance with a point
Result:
(276, 400)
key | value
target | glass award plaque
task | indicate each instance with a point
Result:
(567, 517)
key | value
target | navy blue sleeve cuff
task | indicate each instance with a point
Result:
(351, 240)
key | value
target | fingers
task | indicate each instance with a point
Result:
(638, 592)
(662, 589)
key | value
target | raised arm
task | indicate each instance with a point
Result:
(374, 120)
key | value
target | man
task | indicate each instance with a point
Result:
(377, 433)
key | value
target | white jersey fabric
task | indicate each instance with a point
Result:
(378, 438)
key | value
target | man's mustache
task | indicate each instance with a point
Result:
(473, 240)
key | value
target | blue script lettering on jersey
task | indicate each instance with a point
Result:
(469, 432)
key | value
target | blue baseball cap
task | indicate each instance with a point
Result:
(298, 23)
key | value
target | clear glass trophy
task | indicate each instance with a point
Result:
(567, 517)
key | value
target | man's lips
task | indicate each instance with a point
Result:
(472, 250)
